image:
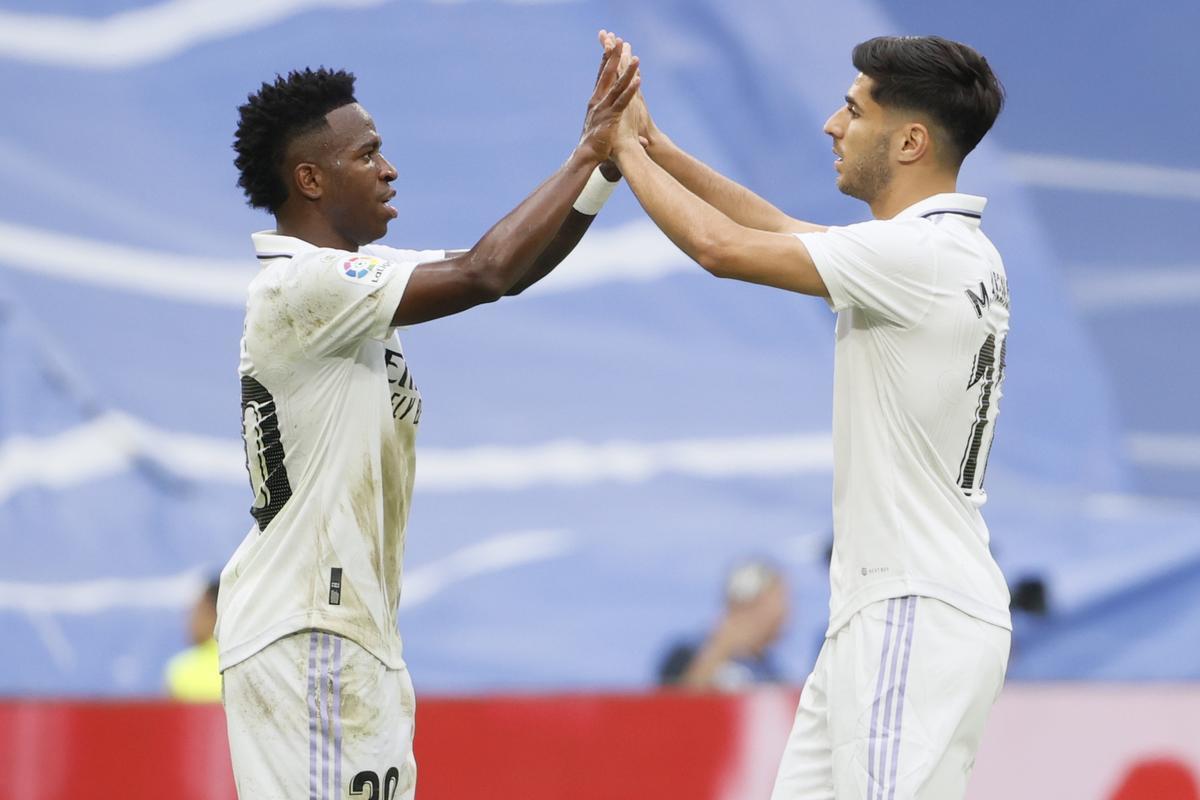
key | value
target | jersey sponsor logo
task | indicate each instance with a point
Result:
(365, 269)
(406, 400)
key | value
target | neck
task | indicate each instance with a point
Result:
(312, 228)
(899, 195)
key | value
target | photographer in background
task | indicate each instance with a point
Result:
(737, 652)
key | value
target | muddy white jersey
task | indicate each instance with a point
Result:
(923, 314)
(329, 417)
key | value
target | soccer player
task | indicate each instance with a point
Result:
(919, 631)
(317, 696)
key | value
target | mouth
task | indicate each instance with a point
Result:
(837, 162)
(391, 209)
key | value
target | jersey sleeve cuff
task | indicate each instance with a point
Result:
(815, 243)
(390, 295)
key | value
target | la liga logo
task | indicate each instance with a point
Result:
(365, 269)
(359, 266)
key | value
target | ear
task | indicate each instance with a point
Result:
(309, 180)
(915, 144)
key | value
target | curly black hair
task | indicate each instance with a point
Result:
(273, 117)
(947, 80)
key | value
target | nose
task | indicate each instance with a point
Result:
(833, 125)
(388, 170)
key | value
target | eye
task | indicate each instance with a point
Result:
(853, 112)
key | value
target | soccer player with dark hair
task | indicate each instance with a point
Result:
(919, 631)
(317, 696)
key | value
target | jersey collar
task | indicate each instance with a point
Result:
(269, 244)
(968, 207)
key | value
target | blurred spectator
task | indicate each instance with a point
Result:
(737, 653)
(193, 675)
(1030, 606)
(1029, 596)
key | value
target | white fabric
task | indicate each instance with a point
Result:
(329, 415)
(923, 316)
(314, 715)
(895, 706)
(595, 194)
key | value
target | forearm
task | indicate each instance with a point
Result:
(722, 246)
(535, 230)
(564, 241)
(578, 220)
(694, 226)
(731, 198)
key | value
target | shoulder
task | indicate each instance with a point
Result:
(904, 233)
(878, 242)
(319, 267)
(402, 255)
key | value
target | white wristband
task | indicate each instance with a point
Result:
(595, 194)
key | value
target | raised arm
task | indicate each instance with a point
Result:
(510, 250)
(722, 246)
(569, 233)
(729, 197)
(726, 195)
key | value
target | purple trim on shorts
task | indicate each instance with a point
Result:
(874, 734)
(908, 637)
(337, 715)
(312, 716)
(888, 722)
(325, 700)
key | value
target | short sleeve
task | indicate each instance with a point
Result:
(396, 254)
(336, 299)
(881, 266)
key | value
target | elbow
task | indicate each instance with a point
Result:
(713, 253)
(485, 281)
(489, 291)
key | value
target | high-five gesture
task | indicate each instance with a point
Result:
(616, 86)
(636, 117)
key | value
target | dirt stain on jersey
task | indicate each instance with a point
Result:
(397, 488)
(364, 504)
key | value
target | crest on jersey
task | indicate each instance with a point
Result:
(365, 269)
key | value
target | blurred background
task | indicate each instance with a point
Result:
(597, 454)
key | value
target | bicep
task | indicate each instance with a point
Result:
(771, 259)
(441, 288)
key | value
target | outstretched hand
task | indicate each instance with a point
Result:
(637, 115)
(616, 86)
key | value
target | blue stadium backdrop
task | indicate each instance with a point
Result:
(598, 451)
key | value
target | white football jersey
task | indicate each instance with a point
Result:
(923, 308)
(329, 417)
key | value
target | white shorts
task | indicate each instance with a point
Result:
(895, 706)
(315, 716)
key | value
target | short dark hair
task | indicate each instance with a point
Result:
(273, 117)
(949, 81)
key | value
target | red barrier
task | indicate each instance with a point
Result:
(572, 746)
(586, 748)
(53, 750)
(1063, 741)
